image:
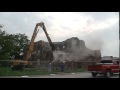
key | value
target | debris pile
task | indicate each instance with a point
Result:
(70, 49)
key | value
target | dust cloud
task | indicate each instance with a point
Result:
(77, 50)
(95, 44)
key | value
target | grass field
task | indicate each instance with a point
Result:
(8, 72)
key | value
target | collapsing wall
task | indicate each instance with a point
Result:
(70, 49)
(74, 49)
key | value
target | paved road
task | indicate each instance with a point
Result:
(70, 75)
(75, 75)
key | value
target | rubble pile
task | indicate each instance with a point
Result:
(70, 49)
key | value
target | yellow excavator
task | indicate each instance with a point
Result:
(20, 64)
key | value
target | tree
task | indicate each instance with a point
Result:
(20, 41)
(12, 45)
(5, 45)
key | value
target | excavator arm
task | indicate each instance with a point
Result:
(47, 35)
(41, 24)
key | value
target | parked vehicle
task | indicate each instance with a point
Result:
(105, 67)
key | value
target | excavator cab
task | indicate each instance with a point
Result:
(17, 64)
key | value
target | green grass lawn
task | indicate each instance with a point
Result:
(77, 70)
(8, 72)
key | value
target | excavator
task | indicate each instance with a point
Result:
(21, 64)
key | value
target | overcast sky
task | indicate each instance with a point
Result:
(99, 30)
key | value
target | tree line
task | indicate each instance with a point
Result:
(12, 45)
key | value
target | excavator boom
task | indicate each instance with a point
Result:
(41, 24)
(18, 64)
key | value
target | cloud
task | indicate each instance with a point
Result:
(101, 16)
(104, 38)
(20, 22)
(95, 28)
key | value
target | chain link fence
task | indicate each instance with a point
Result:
(6, 68)
(41, 68)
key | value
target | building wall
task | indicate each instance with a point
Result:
(73, 47)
